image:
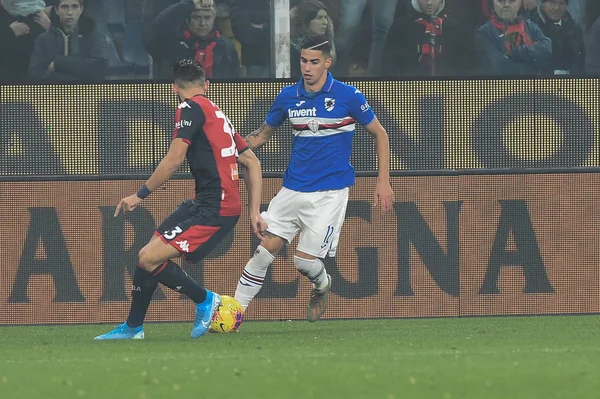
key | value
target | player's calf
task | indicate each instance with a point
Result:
(253, 276)
(254, 273)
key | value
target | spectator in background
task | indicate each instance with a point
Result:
(591, 25)
(527, 6)
(185, 30)
(474, 13)
(576, 8)
(251, 24)
(383, 12)
(557, 23)
(308, 19)
(424, 42)
(72, 49)
(21, 22)
(151, 10)
(510, 45)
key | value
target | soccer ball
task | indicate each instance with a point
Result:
(228, 317)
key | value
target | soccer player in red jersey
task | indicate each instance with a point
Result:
(205, 136)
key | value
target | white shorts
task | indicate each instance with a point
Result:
(318, 216)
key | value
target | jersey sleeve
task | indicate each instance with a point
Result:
(240, 143)
(360, 109)
(188, 119)
(278, 112)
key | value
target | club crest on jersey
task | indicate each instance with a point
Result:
(313, 126)
(329, 104)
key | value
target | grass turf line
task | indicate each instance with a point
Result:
(506, 357)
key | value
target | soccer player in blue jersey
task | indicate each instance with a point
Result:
(313, 199)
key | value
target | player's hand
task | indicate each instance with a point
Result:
(384, 193)
(19, 28)
(258, 226)
(128, 204)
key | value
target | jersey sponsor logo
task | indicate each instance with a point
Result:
(329, 104)
(365, 107)
(182, 123)
(295, 113)
(184, 105)
(235, 175)
(184, 245)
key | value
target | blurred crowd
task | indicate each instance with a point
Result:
(94, 40)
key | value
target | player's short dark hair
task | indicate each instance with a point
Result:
(321, 43)
(188, 73)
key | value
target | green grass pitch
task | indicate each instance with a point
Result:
(483, 358)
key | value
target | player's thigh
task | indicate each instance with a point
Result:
(282, 215)
(322, 222)
(155, 253)
(159, 250)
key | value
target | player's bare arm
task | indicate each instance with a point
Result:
(165, 169)
(253, 180)
(260, 136)
(383, 190)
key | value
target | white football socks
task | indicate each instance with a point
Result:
(314, 270)
(253, 276)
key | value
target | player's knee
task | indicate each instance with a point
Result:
(145, 259)
(272, 243)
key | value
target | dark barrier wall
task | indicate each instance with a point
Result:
(125, 129)
(454, 245)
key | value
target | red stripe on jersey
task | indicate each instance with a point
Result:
(345, 122)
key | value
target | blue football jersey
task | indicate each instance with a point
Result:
(323, 125)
